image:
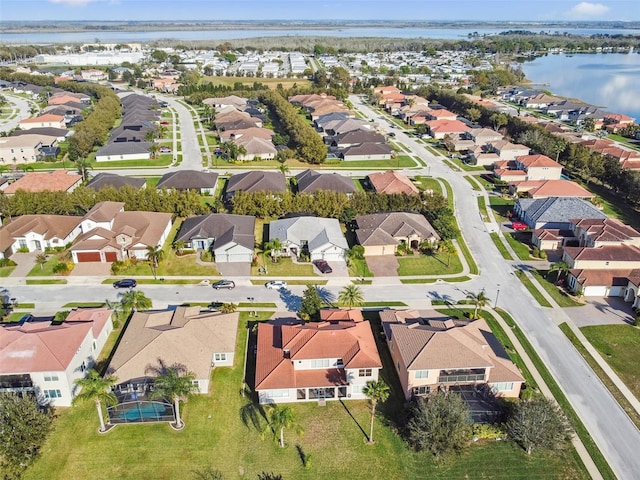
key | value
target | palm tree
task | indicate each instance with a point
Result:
(153, 150)
(480, 300)
(41, 259)
(173, 383)
(284, 168)
(134, 300)
(376, 391)
(83, 166)
(155, 255)
(273, 248)
(449, 248)
(97, 388)
(561, 268)
(178, 246)
(351, 296)
(280, 418)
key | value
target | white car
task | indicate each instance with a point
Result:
(276, 284)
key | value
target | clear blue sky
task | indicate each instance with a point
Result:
(533, 10)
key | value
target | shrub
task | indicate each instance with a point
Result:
(7, 262)
(23, 250)
(206, 256)
(488, 431)
(117, 267)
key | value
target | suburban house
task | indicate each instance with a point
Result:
(554, 212)
(46, 359)
(367, 151)
(263, 133)
(507, 150)
(602, 258)
(381, 233)
(528, 167)
(391, 182)
(256, 181)
(55, 181)
(124, 151)
(198, 340)
(314, 361)
(255, 148)
(441, 128)
(320, 238)
(549, 188)
(356, 137)
(109, 233)
(229, 237)
(38, 232)
(433, 352)
(111, 180)
(202, 182)
(42, 121)
(311, 181)
(481, 155)
(27, 148)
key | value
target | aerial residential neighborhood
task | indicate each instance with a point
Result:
(358, 256)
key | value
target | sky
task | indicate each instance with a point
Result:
(478, 10)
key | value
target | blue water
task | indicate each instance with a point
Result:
(195, 35)
(608, 80)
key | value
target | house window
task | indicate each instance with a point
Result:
(51, 377)
(52, 393)
(425, 390)
(339, 363)
(502, 387)
(421, 374)
(364, 372)
(320, 363)
(221, 357)
(22, 243)
(284, 393)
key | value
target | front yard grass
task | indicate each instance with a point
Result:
(45, 270)
(428, 265)
(500, 246)
(284, 267)
(172, 265)
(532, 289)
(359, 268)
(618, 345)
(558, 294)
(521, 249)
(428, 183)
(6, 271)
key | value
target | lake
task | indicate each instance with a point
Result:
(608, 80)
(231, 34)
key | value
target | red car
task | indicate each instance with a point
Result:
(519, 226)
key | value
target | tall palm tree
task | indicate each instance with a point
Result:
(97, 388)
(449, 248)
(155, 255)
(83, 166)
(561, 268)
(351, 296)
(153, 150)
(284, 168)
(376, 391)
(279, 419)
(173, 383)
(274, 249)
(480, 300)
(134, 300)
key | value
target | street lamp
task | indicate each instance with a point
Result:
(495, 305)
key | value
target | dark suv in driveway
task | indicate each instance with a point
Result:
(125, 283)
(224, 284)
(323, 266)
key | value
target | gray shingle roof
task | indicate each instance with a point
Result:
(257, 181)
(224, 228)
(188, 180)
(317, 231)
(102, 180)
(558, 209)
(311, 181)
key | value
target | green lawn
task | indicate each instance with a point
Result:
(284, 267)
(473, 183)
(428, 183)
(532, 289)
(619, 346)
(83, 305)
(6, 271)
(557, 293)
(53, 281)
(428, 265)
(172, 265)
(482, 206)
(501, 207)
(615, 206)
(466, 167)
(500, 246)
(163, 160)
(45, 270)
(359, 268)
(516, 241)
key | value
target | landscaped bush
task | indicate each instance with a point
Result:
(206, 256)
(488, 431)
(23, 250)
(7, 262)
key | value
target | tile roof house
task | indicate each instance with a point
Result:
(507, 150)
(606, 257)
(593, 232)
(24, 148)
(554, 212)
(203, 182)
(46, 359)
(256, 148)
(38, 232)
(256, 181)
(311, 181)
(539, 167)
(441, 128)
(314, 361)
(550, 188)
(55, 181)
(392, 182)
(613, 282)
(198, 340)
(42, 121)
(320, 238)
(432, 351)
(263, 133)
(356, 137)
(229, 237)
(109, 233)
(104, 180)
(481, 136)
(381, 233)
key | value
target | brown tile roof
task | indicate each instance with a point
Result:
(185, 335)
(532, 161)
(347, 314)
(552, 188)
(384, 228)
(605, 253)
(604, 278)
(390, 182)
(49, 226)
(607, 230)
(104, 211)
(447, 126)
(48, 117)
(58, 180)
(351, 341)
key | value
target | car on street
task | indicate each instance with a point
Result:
(276, 284)
(165, 150)
(125, 283)
(224, 284)
(519, 226)
(323, 266)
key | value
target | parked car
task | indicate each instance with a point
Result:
(276, 284)
(165, 150)
(323, 266)
(224, 284)
(519, 226)
(214, 306)
(125, 283)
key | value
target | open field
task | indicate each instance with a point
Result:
(272, 83)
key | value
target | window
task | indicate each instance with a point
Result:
(364, 372)
(502, 387)
(22, 243)
(421, 390)
(339, 363)
(277, 393)
(51, 377)
(421, 374)
(221, 357)
(52, 394)
(320, 363)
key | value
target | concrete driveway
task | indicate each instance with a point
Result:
(25, 261)
(92, 269)
(601, 311)
(383, 265)
(234, 269)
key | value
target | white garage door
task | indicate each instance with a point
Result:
(595, 291)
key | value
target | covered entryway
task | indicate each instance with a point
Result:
(89, 257)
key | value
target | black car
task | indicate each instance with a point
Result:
(214, 306)
(323, 266)
(224, 284)
(125, 283)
